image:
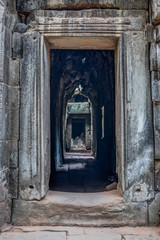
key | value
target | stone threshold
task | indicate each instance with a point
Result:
(103, 209)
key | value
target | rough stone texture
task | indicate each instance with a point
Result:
(139, 149)
(29, 178)
(94, 237)
(77, 4)
(139, 187)
(8, 154)
(131, 4)
(136, 237)
(87, 20)
(3, 213)
(154, 210)
(154, 206)
(20, 28)
(155, 11)
(78, 233)
(155, 78)
(3, 184)
(17, 51)
(9, 109)
(13, 183)
(35, 143)
(156, 111)
(34, 236)
(59, 208)
(157, 175)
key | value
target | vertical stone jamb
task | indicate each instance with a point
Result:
(139, 176)
(29, 176)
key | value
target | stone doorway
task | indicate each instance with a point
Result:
(83, 152)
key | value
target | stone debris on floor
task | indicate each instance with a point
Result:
(9, 232)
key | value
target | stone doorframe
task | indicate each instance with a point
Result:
(122, 31)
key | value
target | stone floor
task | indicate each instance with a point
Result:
(103, 209)
(78, 233)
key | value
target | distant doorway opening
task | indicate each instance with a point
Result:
(78, 128)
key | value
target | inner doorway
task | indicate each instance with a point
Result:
(83, 148)
(78, 128)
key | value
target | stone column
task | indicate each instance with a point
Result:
(139, 164)
(153, 33)
(34, 149)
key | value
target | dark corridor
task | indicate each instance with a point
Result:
(94, 71)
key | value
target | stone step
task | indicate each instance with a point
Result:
(80, 209)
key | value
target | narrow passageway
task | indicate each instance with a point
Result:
(82, 120)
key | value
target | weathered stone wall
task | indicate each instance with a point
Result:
(153, 39)
(9, 110)
(125, 23)
(26, 6)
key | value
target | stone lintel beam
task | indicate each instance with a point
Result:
(95, 20)
(26, 6)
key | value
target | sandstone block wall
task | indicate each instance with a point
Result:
(16, 17)
(9, 110)
(153, 38)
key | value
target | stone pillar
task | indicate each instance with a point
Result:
(139, 164)
(34, 147)
(153, 33)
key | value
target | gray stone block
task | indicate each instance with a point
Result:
(47, 235)
(155, 78)
(139, 129)
(106, 19)
(77, 4)
(9, 97)
(151, 33)
(52, 4)
(10, 19)
(154, 210)
(3, 213)
(17, 45)
(131, 4)
(1, 51)
(9, 124)
(29, 123)
(13, 154)
(8, 154)
(14, 72)
(9, 112)
(4, 184)
(157, 144)
(136, 237)
(156, 112)
(155, 11)
(8, 42)
(157, 175)
(13, 183)
(153, 57)
(157, 33)
(4, 163)
(10, 72)
(20, 28)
